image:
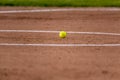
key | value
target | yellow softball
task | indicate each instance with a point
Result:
(62, 34)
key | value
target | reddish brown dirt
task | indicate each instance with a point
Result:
(60, 63)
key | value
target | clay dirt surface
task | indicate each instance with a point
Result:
(59, 63)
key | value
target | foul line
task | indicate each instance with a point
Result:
(69, 32)
(62, 45)
(65, 9)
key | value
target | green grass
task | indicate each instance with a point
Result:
(62, 3)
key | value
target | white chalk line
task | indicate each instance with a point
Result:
(62, 45)
(59, 45)
(69, 32)
(65, 9)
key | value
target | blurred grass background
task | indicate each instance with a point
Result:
(62, 3)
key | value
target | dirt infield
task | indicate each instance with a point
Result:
(60, 63)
